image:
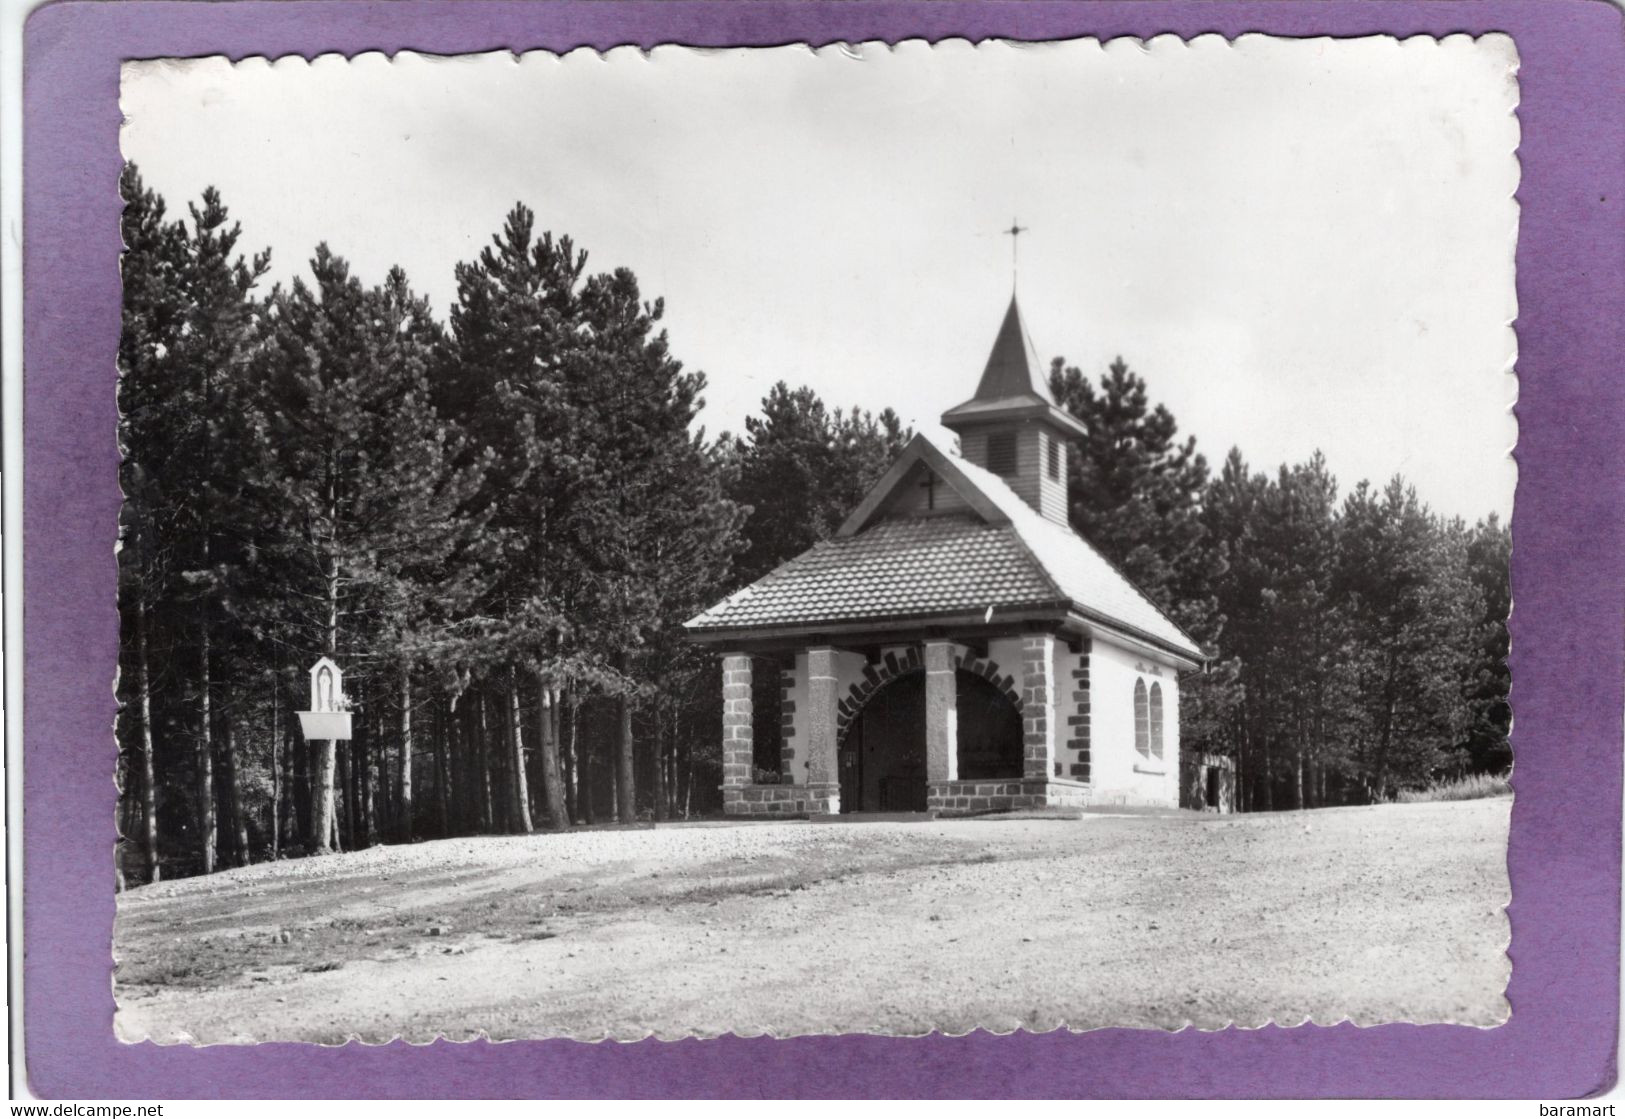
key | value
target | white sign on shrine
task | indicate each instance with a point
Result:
(328, 716)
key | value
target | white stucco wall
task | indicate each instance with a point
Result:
(1117, 768)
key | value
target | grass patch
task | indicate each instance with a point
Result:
(1476, 787)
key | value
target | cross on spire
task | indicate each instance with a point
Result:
(1014, 233)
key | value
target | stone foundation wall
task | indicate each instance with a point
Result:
(782, 800)
(1001, 794)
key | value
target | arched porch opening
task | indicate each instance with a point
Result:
(990, 731)
(882, 757)
(882, 754)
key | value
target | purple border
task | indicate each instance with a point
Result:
(1568, 572)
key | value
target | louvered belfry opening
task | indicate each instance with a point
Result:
(1001, 453)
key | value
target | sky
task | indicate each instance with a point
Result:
(1299, 244)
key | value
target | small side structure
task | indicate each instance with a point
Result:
(956, 647)
(1207, 782)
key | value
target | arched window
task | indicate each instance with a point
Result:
(1142, 719)
(1156, 719)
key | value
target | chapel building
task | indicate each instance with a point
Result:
(956, 646)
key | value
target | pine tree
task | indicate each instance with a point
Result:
(375, 537)
(1488, 556)
(153, 313)
(1300, 665)
(801, 469)
(1135, 489)
(607, 496)
(189, 328)
(1136, 494)
(651, 501)
(1412, 610)
(504, 374)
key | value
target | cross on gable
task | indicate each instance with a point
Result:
(929, 485)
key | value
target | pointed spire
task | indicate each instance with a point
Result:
(1013, 368)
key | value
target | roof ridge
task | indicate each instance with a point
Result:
(1016, 508)
(1121, 574)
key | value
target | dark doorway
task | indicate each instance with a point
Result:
(883, 758)
(1213, 788)
(990, 735)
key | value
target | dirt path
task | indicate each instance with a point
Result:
(1375, 914)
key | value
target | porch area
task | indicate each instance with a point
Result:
(941, 725)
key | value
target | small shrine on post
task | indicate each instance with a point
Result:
(955, 646)
(329, 714)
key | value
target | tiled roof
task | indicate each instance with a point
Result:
(938, 565)
(919, 566)
(1078, 571)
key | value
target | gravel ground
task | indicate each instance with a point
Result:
(1382, 914)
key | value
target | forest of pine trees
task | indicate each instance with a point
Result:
(497, 523)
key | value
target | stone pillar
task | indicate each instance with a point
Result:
(941, 713)
(1038, 704)
(822, 716)
(738, 755)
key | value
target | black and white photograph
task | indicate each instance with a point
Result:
(889, 539)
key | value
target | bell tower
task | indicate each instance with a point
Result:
(1012, 426)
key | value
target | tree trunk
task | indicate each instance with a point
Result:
(547, 742)
(205, 764)
(278, 778)
(687, 773)
(334, 832)
(473, 782)
(487, 809)
(572, 794)
(149, 784)
(288, 832)
(459, 751)
(443, 725)
(516, 760)
(304, 829)
(671, 758)
(403, 768)
(234, 793)
(584, 796)
(368, 793)
(325, 831)
(346, 797)
(1269, 777)
(380, 794)
(468, 763)
(625, 794)
(659, 738)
